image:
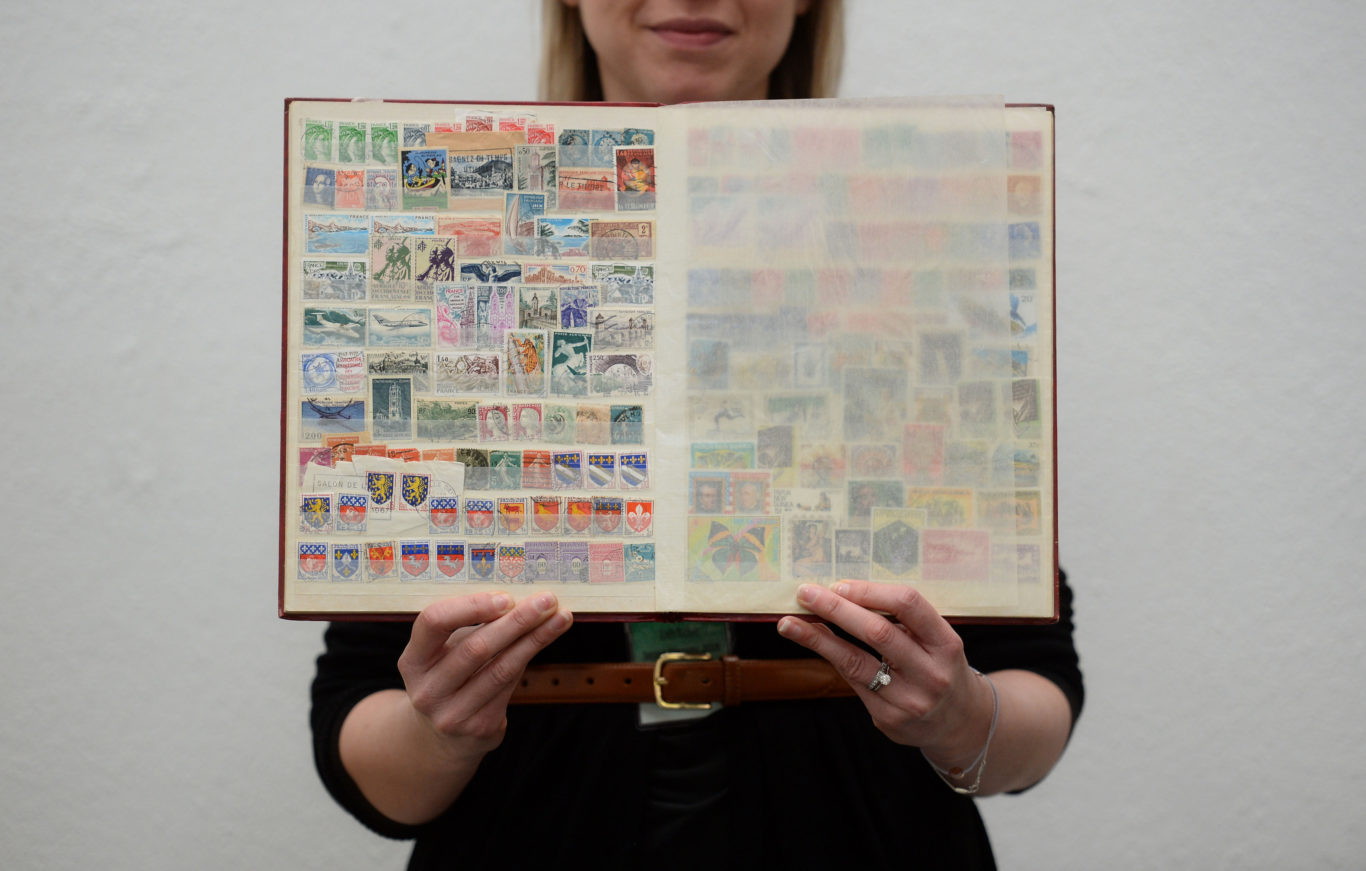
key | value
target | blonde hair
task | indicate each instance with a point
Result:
(809, 68)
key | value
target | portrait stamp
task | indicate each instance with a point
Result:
(381, 563)
(450, 560)
(350, 193)
(606, 562)
(605, 144)
(734, 548)
(493, 423)
(526, 421)
(383, 144)
(415, 560)
(749, 493)
(346, 562)
(574, 145)
(320, 186)
(707, 492)
(476, 467)
(557, 424)
(318, 141)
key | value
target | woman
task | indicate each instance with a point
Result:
(430, 750)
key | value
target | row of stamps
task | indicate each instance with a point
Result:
(378, 143)
(898, 147)
(524, 232)
(398, 560)
(486, 317)
(441, 178)
(356, 513)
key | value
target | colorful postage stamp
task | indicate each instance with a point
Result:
(346, 562)
(450, 560)
(569, 363)
(722, 455)
(943, 507)
(578, 515)
(352, 512)
(866, 495)
(562, 237)
(312, 561)
(334, 327)
(567, 470)
(622, 240)
(526, 363)
(493, 423)
(734, 548)
(536, 470)
(425, 184)
(633, 470)
(635, 178)
(526, 422)
(707, 492)
(853, 550)
(447, 420)
(640, 514)
(955, 555)
(821, 465)
(749, 493)
(415, 560)
(323, 416)
(546, 514)
(542, 562)
(511, 562)
(479, 236)
(315, 513)
(332, 235)
(812, 546)
(414, 488)
(479, 515)
(607, 515)
(381, 563)
(380, 488)
(443, 515)
(585, 190)
(483, 560)
(350, 193)
(602, 471)
(536, 308)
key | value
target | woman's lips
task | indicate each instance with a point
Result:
(691, 32)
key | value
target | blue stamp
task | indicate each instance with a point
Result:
(1024, 241)
(542, 562)
(628, 424)
(634, 470)
(602, 471)
(640, 561)
(345, 562)
(450, 560)
(319, 372)
(312, 561)
(567, 470)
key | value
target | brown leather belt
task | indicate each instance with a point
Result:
(679, 680)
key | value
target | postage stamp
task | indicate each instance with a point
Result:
(391, 267)
(493, 423)
(312, 561)
(734, 548)
(415, 561)
(749, 493)
(546, 512)
(520, 211)
(536, 472)
(334, 327)
(592, 425)
(536, 308)
(943, 507)
(414, 488)
(383, 144)
(623, 328)
(633, 470)
(400, 327)
(535, 169)
(391, 404)
(351, 512)
(346, 562)
(635, 178)
(640, 561)
(468, 373)
(567, 470)
(320, 372)
(821, 465)
(380, 561)
(542, 562)
(434, 260)
(967, 463)
(574, 145)
(708, 364)
(443, 515)
(576, 306)
(620, 374)
(977, 409)
(380, 488)
(1025, 408)
(323, 416)
(853, 551)
(622, 240)
(875, 403)
(941, 357)
(505, 470)
(625, 283)
(810, 411)
(922, 454)
(478, 516)
(895, 535)
(540, 134)
(717, 417)
(606, 562)
(333, 235)
(415, 135)
(722, 455)
(640, 514)
(578, 515)
(425, 184)
(479, 236)
(526, 422)
(865, 495)
(605, 144)
(812, 546)
(350, 192)
(955, 555)
(318, 141)
(562, 237)
(483, 560)
(450, 560)
(341, 280)
(526, 363)
(481, 173)
(996, 510)
(512, 516)
(315, 514)
(574, 562)
(569, 363)
(320, 186)
(607, 515)
(873, 461)
(557, 424)
(586, 190)
(602, 471)
(707, 492)
(1027, 508)
(476, 467)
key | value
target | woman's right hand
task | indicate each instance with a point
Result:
(465, 657)
(412, 751)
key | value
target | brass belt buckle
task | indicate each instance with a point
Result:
(661, 681)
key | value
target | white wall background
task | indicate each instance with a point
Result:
(1212, 294)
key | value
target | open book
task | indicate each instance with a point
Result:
(668, 360)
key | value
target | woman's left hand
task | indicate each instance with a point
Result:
(934, 699)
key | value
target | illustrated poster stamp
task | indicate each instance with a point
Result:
(569, 363)
(536, 470)
(895, 535)
(734, 548)
(635, 178)
(853, 553)
(526, 363)
(812, 546)
(425, 184)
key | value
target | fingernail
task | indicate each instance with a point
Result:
(841, 590)
(561, 620)
(806, 594)
(501, 602)
(545, 602)
(789, 627)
